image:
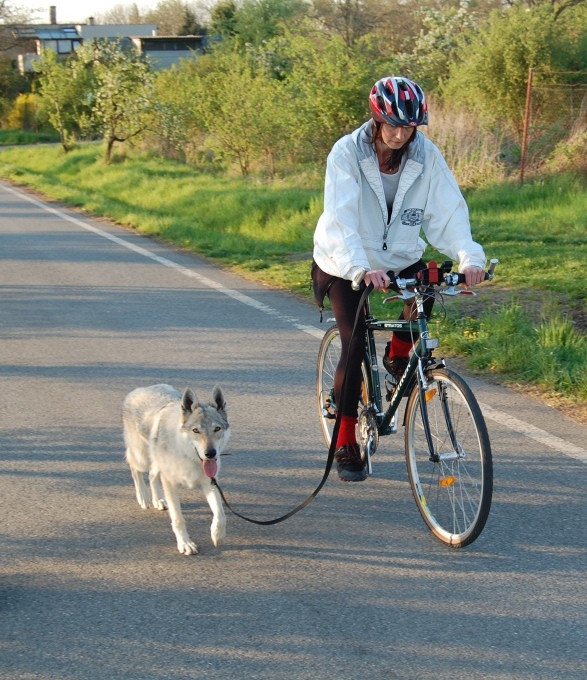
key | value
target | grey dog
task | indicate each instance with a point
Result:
(176, 440)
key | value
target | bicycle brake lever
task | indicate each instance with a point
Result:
(451, 290)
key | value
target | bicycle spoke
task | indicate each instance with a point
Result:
(452, 485)
(328, 358)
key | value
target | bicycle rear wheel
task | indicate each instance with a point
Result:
(328, 358)
(453, 487)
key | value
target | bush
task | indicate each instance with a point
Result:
(474, 155)
(26, 114)
(569, 155)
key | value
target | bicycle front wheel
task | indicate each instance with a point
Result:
(453, 483)
(328, 358)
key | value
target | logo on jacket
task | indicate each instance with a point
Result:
(412, 217)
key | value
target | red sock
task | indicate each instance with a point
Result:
(346, 432)
(399, 347)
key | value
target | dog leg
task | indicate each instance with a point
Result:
(157, 495)
(218, 528)
(185, 545)
(140, 487)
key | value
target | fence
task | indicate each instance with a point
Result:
(556, 103)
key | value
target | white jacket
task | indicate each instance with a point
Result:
(353, 231)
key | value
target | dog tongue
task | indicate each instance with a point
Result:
(211, 468)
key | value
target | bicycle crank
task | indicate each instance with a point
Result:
(368, 435)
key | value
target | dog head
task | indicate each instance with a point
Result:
(207, 427)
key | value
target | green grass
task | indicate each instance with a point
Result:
(12, 137)
(537, 230)
(505, 339)
(264, 230)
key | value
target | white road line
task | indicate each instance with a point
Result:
(535, 433)
(500, 417)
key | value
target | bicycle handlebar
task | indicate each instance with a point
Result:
(454, 278)
(433, 275)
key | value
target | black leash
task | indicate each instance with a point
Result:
(331, 450)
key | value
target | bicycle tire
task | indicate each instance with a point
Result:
(328, 358)
(453, 493)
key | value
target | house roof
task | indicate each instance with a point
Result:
(45, 32)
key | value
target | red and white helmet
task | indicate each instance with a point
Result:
(399, 102)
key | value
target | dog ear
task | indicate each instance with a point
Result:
(217, 400)
(188, 401)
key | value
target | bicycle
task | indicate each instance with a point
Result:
(447, 447)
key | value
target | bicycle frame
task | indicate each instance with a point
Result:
(385, 417)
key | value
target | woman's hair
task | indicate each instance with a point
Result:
(396, 155)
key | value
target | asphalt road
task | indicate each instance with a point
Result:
(351, 588)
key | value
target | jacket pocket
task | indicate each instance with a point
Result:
(406, 248)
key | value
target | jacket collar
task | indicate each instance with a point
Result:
(362, 138)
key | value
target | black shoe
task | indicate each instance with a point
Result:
(395, 366)
(349, 465)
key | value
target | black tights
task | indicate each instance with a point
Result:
(345, 301)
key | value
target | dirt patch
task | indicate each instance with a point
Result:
(537, 303)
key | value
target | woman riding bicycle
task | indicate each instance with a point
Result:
(385, 183)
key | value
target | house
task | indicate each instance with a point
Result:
(164, 51)
(29, 40)
(94, 31)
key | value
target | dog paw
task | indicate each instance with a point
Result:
(159, 504)
(218, 534)
(187, 547)
(143, 502)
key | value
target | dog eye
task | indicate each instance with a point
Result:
(217, 428)
(196, 431)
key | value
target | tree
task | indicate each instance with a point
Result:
(328, 85)
(122, 14)
(491, 71)
(253, 22)
(349, 19)
(230, 105)
(122, 91)
(13, 14)
(191, 24)
(223, 98)
(173, 17)
(223, 19)
(434, 48)
(63, 91)
(393, 21)
(260, 20)
(557, 6)
(176, 105)
(9, 16)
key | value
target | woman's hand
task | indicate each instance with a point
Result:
(473, 275)
(378, 278)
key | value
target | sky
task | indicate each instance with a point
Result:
(74, 11)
